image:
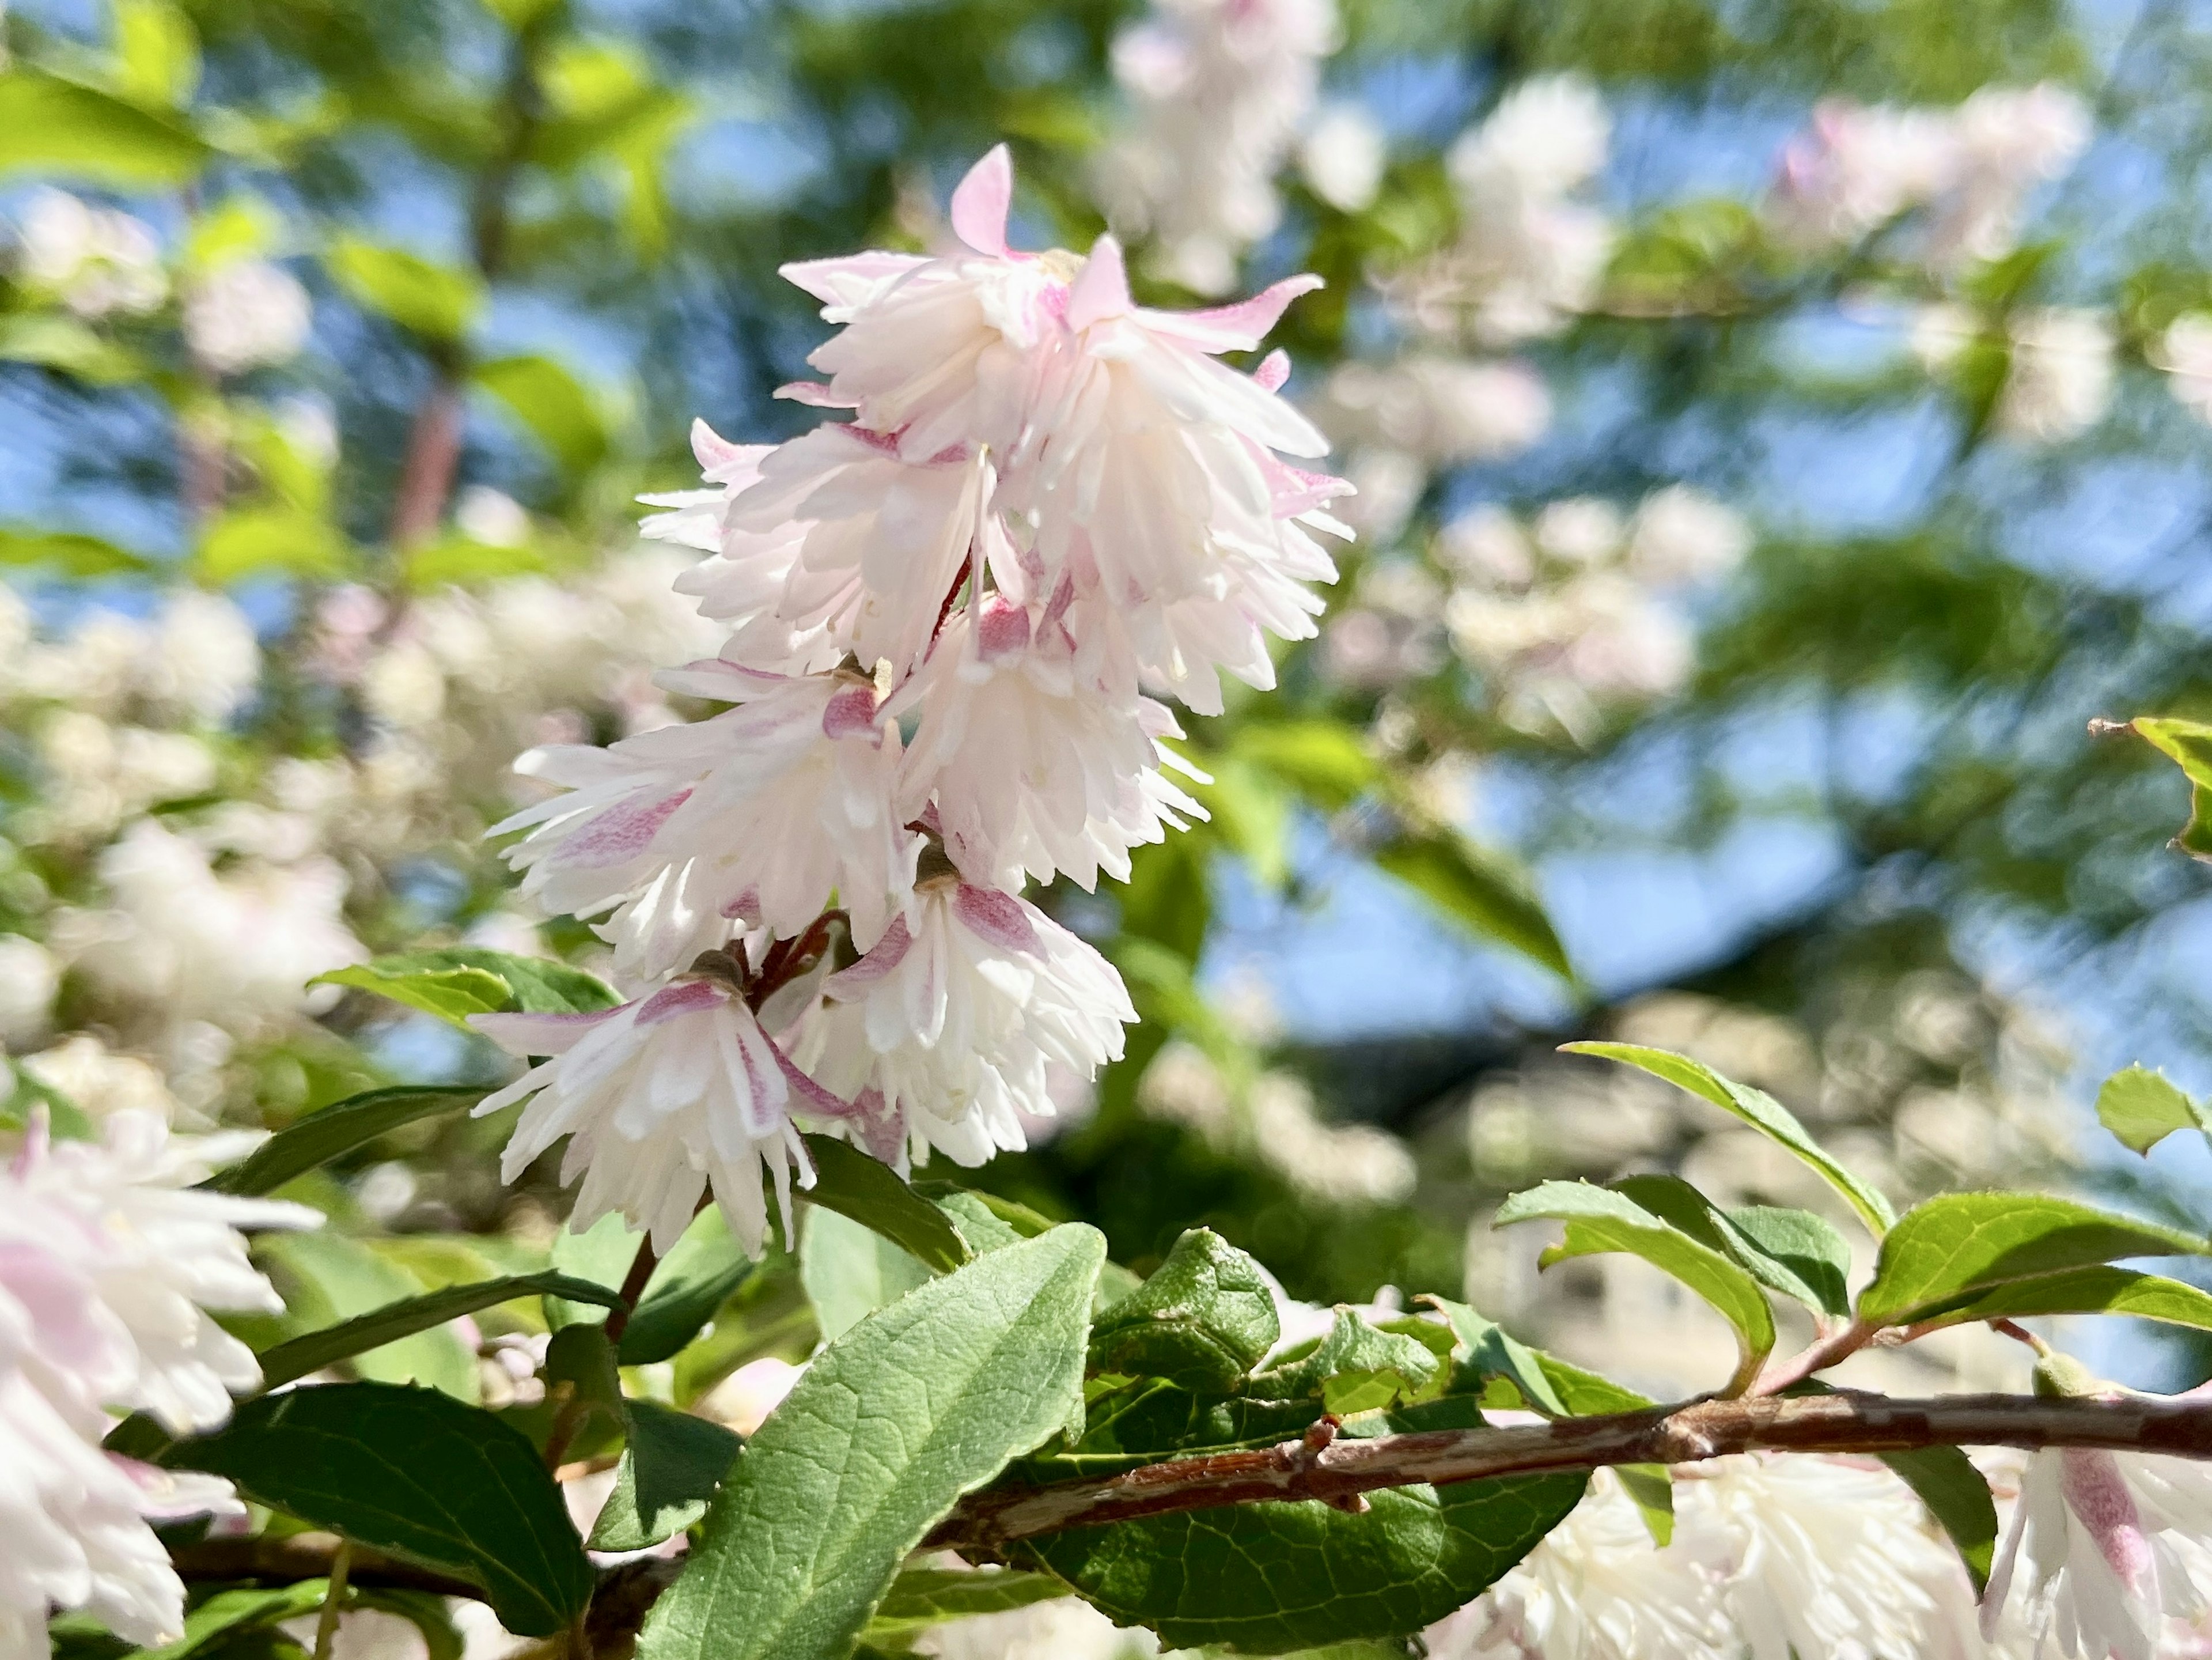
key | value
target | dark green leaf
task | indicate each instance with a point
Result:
(919, 1403)
(335, 1131)
(418, 1476)
(670, 1466)
(2142, 1109)
(691, 1282)
(1204, 1320)
(1481, 889)
(1963, 1242)
(853, 1184)
(1759, 1110)
(318, 1349)
(58, 128)
(1958, 1497)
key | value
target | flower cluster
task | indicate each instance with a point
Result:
(1220, 89)
(110, 1262)
(949, 619)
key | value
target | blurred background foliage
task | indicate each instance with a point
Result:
(1713, 669)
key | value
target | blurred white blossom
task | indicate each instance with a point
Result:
(246, 314)
(97, 260)
(1343, 155)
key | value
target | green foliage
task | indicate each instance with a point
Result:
(269, 541)
(59, 127)
(687, 1286)
(1959, 1243)
(394, 1321)
(70, 554)
(1958, 1497)
(439, 302)
(1790, 1251)
(551, 405)
(1757, 1108)
(334, 1131)
(1600, 1219)
(2189, 745)
(330, 1278)
(2082, 1291)
(848, 1182)
(1357, 1368)
(916, 1405)
(1478, 888)
(921, 1597)
(672, 1463)
(229, 1612)
(2142, 1108)
(1203, 1319)
(457, 982)
(418, 1476)
(850, 1271)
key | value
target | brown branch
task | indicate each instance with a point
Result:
(1342, 1469)
(310, 1556)
(433, 450)
(632, 1289)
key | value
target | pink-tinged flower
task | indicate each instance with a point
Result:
(2102, 1532)
(110, 1262)
(756, 817)
(660, 1099)
(1032, 767)
(946, 1028)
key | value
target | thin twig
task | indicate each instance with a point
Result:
(334, 1595)
(632, 1289)
(309, 1556)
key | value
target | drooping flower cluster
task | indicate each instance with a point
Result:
(110, 1262)
(951, 618)
(1220, 88)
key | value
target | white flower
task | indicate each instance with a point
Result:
(1683, 535)
(1444, 409)
(2102, 1532)
(758, 815)
(1031, 768)
(100, 261)
(246, 315)
(2184, 352)
(28, 979)
(1343, 156)
(99, 1082)
(1066, 1628)
(1860, 166)
(491, 516)
(1218, 89)
(1819, 1559)
(1595, 1589)
(2008, 140)
(203, 659)
(2060, 381)
(660, 1099)
(943, 1032)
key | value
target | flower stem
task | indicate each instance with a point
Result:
(326, 1625)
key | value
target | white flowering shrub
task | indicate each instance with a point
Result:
(731, 1082)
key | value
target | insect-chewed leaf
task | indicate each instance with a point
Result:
(1357, 1368)
(917, 1404)
(1958, 1242)
(1203, 1319)
(2142, 1108)
(418, 1476)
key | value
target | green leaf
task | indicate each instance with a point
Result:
(458, 981)
(1325, 761)
(336, 1130)
(601, 1254)
(240, 226)
(229, 1611)
(922, 1597)
(61, 129)
(1958, 1242)
(688, 1286)
(1204, 1320)
(1270, 1578)
(918, 1404)
(2190, 743)
(671, 1464)
(364, 1332)
(1478, 887)
(1492, 1352)
(1803, 1240)
(417, 1475)
(2142, 1109)
(848, 1182)
(1958, 1497)
(850, 1271)
(1357, 1368)
(157, 52)
(334, 1278)
(71, 554)
(548, 401)
(262, 541)
(1599, 1220)
(439, 302)
(2083, 1290)
(55, 341)
(1757, 1108)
